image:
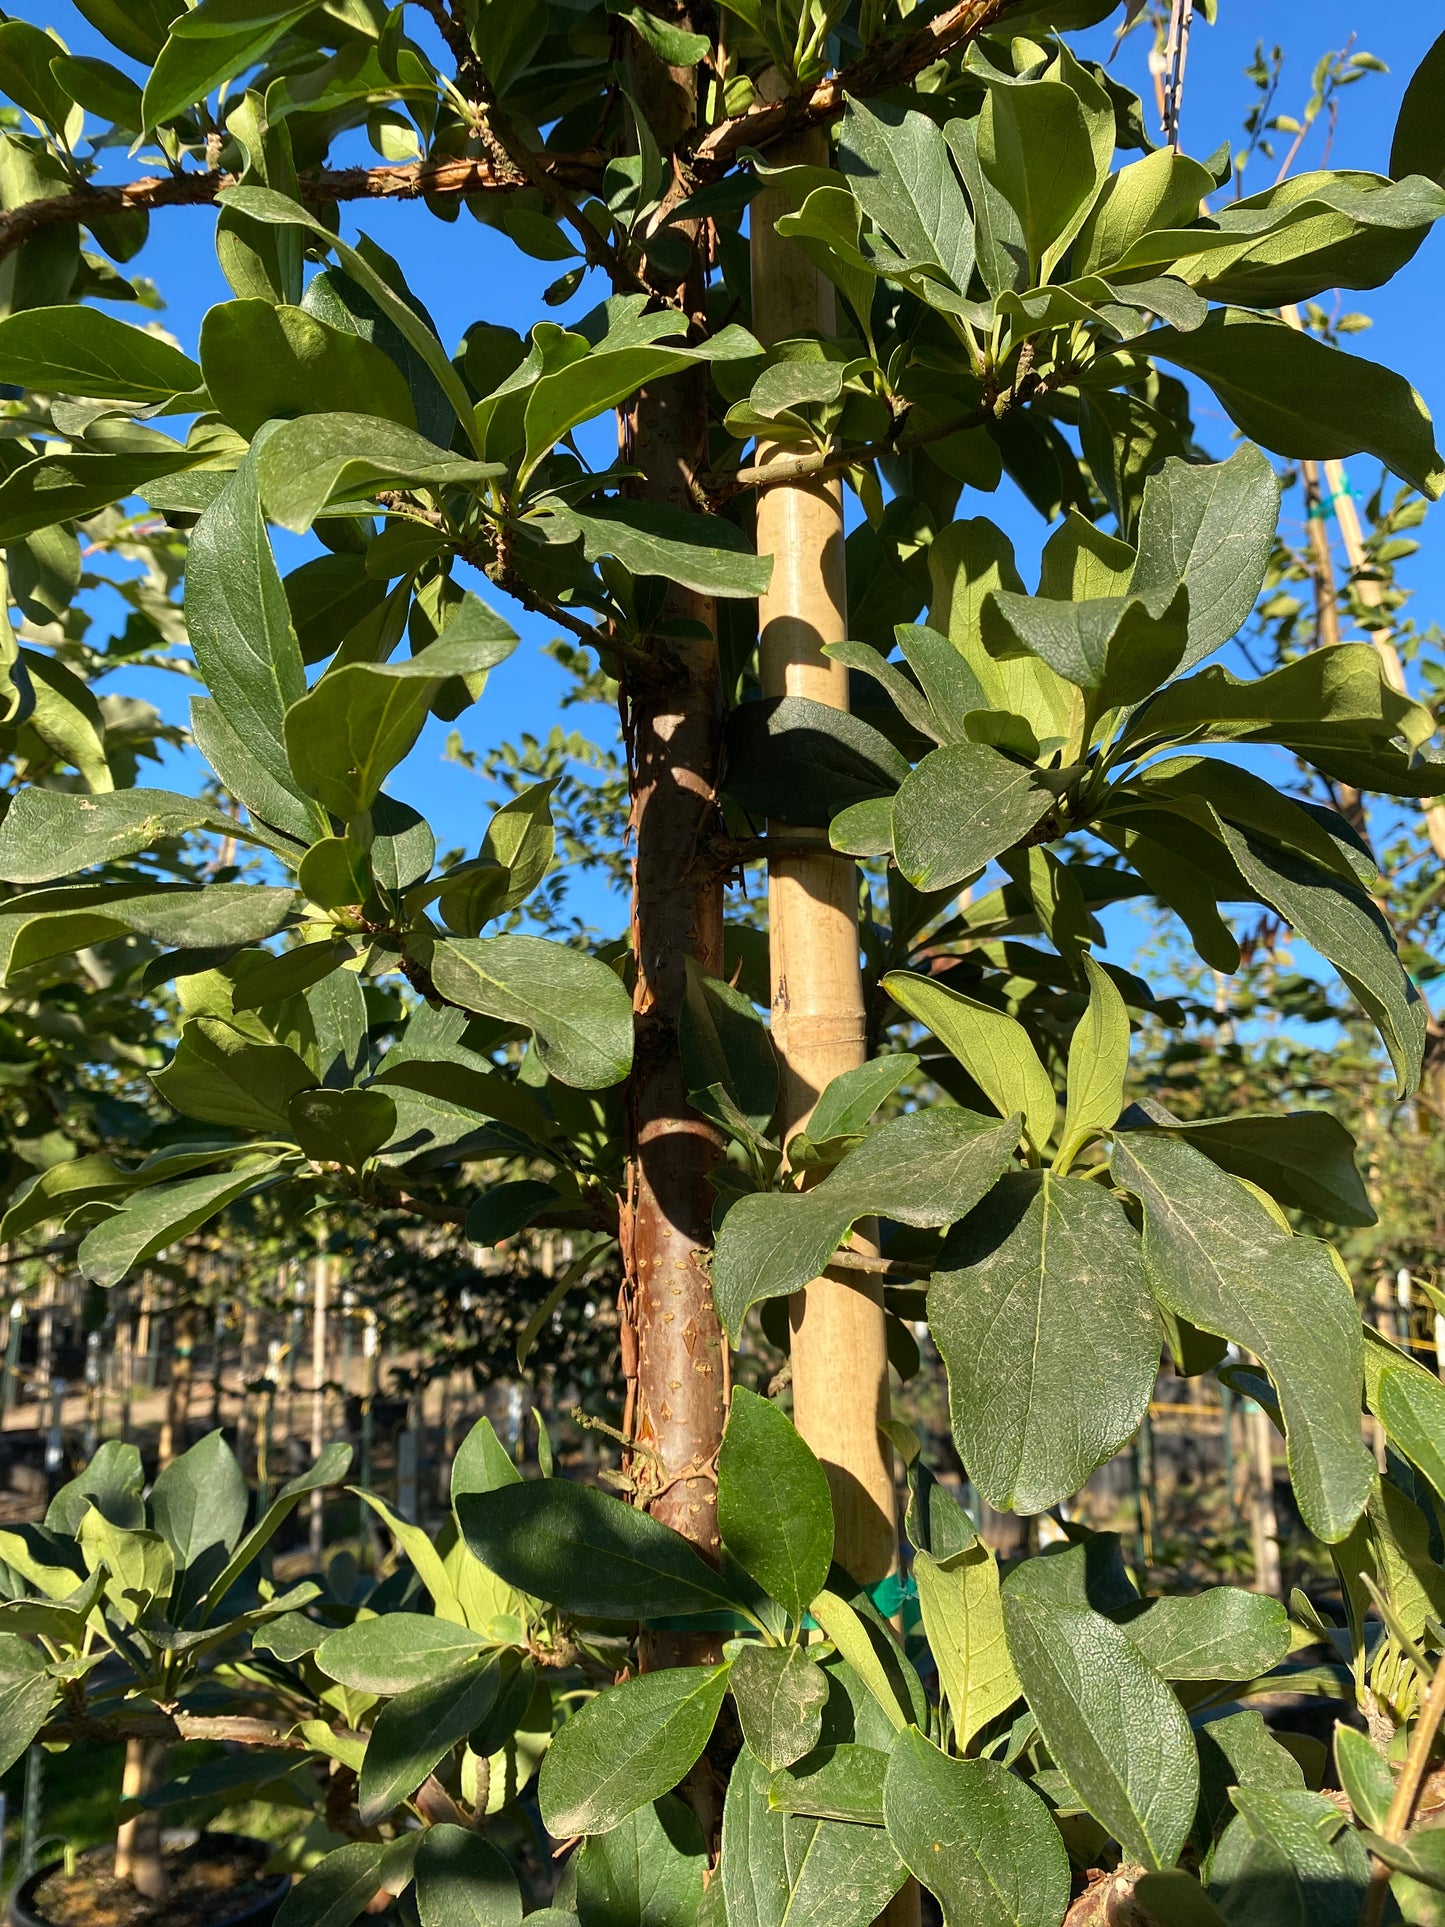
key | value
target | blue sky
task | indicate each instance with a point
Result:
(466, 272)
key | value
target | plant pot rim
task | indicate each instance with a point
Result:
(23, 1912)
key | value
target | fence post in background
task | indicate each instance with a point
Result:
(12, 1359)
(320, 1288)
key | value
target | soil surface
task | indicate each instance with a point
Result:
(212, 1881)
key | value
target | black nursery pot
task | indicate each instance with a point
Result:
(256, 1910)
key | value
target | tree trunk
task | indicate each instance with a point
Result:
(138, 1841)
(839, 1355)
(674, 728)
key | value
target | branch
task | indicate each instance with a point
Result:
(106, 1729)
(891, 64)
(316, 189)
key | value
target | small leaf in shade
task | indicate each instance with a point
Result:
(463, 1881)
(963, 1618)
(626, 1747)
(979, 1839)
(785, 1870)
(775, 1512)
(338, 1889)
(647, 1871)
(416, 1730)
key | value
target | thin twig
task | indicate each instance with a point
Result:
(1407, 1792)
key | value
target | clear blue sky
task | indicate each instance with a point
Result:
(465, 272)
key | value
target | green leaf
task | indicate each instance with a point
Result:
(416, 1730)
(100, 88)
(240, 626)
(926, 1169)
(262, 361)
(1209, 525)
(646, 1872)
(626, 1747)
(575, 1007)
(1301, 397)
(137, 27)
(1304, 1159)
(1345, 926)
(960, 808)
(463, 1881)
(329, 1469)
(1216, 1256)
(159, 1217)
(199, 1504)
(27, 1694)
(63, 488)
(588, 1553)
(402, 313)
(1411, 1407)
(1041, 1311)
(215, 43)
(775, 1512)
(702, 553)
(482, 1463)
(785, 1870)
(840, 1782)
(674, 46)
(1418, 146)
(305, 464)
(723, 1042)
(113, 1483)
(77, 350)
(342, 1127)
(898, 168)
(396, 1652)
(779, 1694)
(993, 1048)
(1109, 1721)
(68, 719)
(1223, 1633)
(854, 1638)
(1034, 147)
(801, 762)
(338, 1889)
(1294, 1852)
(52, 833)
(222, 1077)
(1120, 648)
(1161, 191)
(1098, 1066)
(845, 1108)
(963, 1618)
(1364, 1775)
(345, 737)
(976, 1837)
(1176, 1899)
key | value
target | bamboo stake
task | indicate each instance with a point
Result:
(320, 1285)
(1264, 1517)
(839, 1354)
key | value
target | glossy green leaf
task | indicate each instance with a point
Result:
(305, 464)
(327, 1470)
(801, 762)
(1364, 1775)
(843, 1781)
(705, 554)
(199, 1504)
(1034, 147)
(416, 1730)
(1223, 1633)
(963, 1618)
(1411, 1407)
(342, 1127)
(158, 1217)
(223, 1077)
(724, 1043)
(262, 362)
(960, 808)
(1109, 1721)
(774, 1509)
(351, 730)
(51, 833)
(927, 1169)
(463, 1880)
(1299, 396)
(396, 1652)
(626, 1747)
(219, 39)
(27, 1694)
(482, 1462)
(1418, 146)
(646, 1872)
(898, 167)
(1098, 1065)
(1120, 648)
(779, 1694)
(588, 1553)
(1292, 1857)
(60, 488)
(1041, 1311)
(1216, 1256)
(785, 1870)
(1304, 1159)
(1209, 525)
(980, 1840)
(993, 1048)
(338, 1888)
(575, 1007)
(82, 351)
